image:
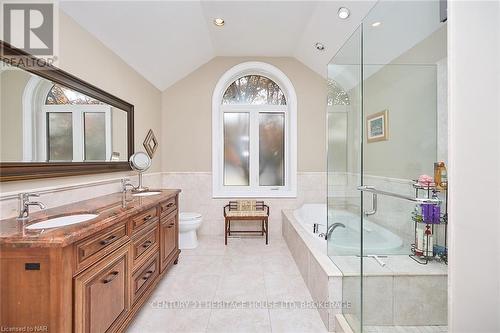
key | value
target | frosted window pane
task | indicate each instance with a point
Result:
(236, 149)
(254, 89)
(60, 136)
(272, 149)
(95, 136)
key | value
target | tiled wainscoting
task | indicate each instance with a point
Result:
(54, 196)
(196, 196)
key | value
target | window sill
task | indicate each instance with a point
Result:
(254, 194)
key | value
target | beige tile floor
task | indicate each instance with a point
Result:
(246, 270)
(405, 329)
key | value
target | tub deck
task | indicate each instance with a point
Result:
(391, 292)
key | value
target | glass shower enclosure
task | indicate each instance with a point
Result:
(387, 129)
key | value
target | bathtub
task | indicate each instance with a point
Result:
(346, 241)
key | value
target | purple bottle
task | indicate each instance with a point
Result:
(431, 213)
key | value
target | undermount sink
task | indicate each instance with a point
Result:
(146, 194)
(62, 221)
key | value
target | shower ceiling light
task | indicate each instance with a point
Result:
(219, 22)
(343, 13)
(376, 24)
(319, 46)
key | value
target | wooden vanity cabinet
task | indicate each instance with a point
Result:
(169, 238)
(95, 285)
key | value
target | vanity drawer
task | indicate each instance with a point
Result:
(145, 243)
(144, 277)
(168, 206)
(140, 221)
(97, 246)
(101, 295)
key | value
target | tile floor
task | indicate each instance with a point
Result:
(246, 270)
(406, 329)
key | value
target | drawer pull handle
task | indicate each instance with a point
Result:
(147, 244)
(147, 218)
(170, 225)
(108, 240)
(147, 275)
(111, 277)
(170, 204)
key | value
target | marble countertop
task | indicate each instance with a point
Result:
(111, 209)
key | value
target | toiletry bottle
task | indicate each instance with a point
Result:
(444, 177)
(437, 174)
(428, 242)
(419, 241)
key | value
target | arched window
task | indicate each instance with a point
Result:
(254, 133)
(62, 95)
(336, 95)
(254, 90)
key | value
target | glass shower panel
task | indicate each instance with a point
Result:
(404, 51)
(344, 172)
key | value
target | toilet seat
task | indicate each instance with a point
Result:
(188, 216)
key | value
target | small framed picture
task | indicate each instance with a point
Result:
(377, 127)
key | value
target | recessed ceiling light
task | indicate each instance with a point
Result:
(319, 46)
(376, 24)
(219, 22)
(343, 13)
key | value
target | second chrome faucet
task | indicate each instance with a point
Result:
(25, 203)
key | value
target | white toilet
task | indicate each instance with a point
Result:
(188, 224)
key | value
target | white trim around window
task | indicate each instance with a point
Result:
(78, 113)
(289, 110)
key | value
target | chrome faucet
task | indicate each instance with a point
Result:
(333, 227)
(25, 203)
(126, 183)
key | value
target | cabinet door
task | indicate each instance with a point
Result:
(168, 238)
(102, 294)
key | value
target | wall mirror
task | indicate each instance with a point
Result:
(54, 124)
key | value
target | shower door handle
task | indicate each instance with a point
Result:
(372, 189)
(374, 205)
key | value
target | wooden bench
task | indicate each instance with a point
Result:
(246, 210)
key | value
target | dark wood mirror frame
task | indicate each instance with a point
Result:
(11, 171)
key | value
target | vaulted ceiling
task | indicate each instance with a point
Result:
(166, 40)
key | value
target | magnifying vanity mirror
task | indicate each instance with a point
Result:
(54, 124)
(140, 162)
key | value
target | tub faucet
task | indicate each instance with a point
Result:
(328, 233)
(25, 203)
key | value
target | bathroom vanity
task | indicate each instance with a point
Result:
(88, 277)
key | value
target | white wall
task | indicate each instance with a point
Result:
(474, 101)
(187, 115)
(84, 56)
(187, 133)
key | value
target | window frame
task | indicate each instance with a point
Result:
(219, 190)
(77, 111)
